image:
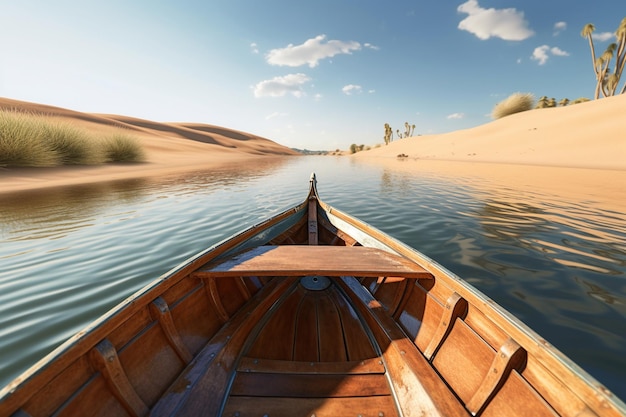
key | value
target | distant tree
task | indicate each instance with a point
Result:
(564, 102)
(552, 102)
(388, 134)
(412, 130)
(542, 103)
(353, 148)
(607, 82)
(399, 134)
(580, 100)
(407, 129)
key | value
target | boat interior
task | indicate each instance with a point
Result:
(297, 328)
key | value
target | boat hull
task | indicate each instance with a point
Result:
(309, 312)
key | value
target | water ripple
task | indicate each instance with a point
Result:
(69, 255)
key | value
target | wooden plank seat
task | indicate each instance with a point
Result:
(302, 260)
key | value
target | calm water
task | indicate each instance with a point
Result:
(70, 254)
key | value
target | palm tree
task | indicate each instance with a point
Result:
(607, 82)
(605, 60)
(388, 133)
(407, 130)
(586, 33)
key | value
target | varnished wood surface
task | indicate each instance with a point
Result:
(231, 339)
(300, 260)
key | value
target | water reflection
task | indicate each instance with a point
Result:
(556, 261)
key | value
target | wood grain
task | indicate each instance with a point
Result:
(301, 260)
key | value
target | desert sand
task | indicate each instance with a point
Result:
(170, 148)
(585, 135)
(561, 148)
(575, 152)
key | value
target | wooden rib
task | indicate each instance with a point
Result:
(428, 394)
(508, 357)
(200, 388)
(313, 221)
(301, 260)
(241, 286)
(455, 307)
(105, 360)
(398, 285)
(161, 311)
(213, 294)
(366, 366)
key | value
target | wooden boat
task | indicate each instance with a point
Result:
(310, 313)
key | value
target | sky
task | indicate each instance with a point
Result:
(316, 75)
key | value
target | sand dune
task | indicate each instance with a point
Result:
(169, 148)
(585, 135)
(575, 152)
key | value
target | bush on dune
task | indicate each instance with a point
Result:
(122, 148)
(36, 141)
(515, 103)
(22, 141)
(72, 146)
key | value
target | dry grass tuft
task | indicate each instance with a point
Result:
(29, 140)
(515, 103)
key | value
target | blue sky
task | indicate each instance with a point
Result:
(316, 74)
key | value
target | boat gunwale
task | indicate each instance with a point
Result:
(129, 306)
(580, 383)
(533, 343)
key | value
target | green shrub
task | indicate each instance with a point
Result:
(515, 103)
(122, 148)
(71, 145)
(36, 141)
(21, 141)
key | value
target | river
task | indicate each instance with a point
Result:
(557, 262)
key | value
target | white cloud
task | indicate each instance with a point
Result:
(280, 86)
(602, 37)
(310, 52)
(456, 116)
(352, 89)
(317, 97)
(558, 52)
(371, 91)
(507, 24)
(274, 115)
(542, 53)
(370, 46)
(254, 47)
(559, 27)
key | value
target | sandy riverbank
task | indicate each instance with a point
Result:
(170, 148)
(586, 135)
(561, 150)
